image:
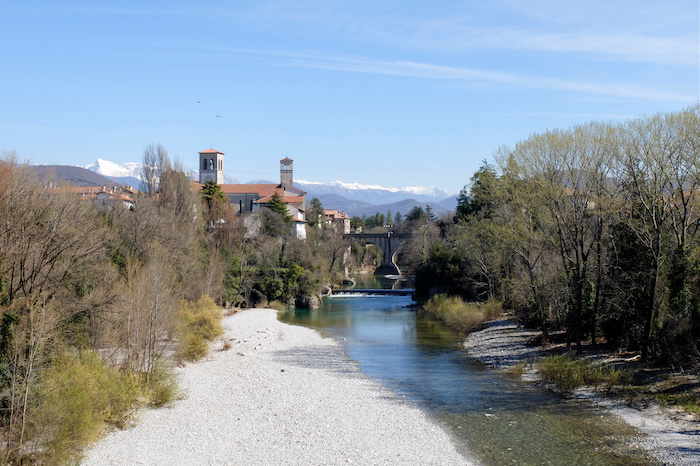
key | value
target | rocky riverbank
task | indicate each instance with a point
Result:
(672, 440)
(278, 394)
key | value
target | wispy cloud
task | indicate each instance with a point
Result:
(607, 31)
(627, 32)
(413, 69)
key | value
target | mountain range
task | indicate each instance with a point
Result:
(352, 198)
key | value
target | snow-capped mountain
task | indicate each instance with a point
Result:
(374, 194)
(128, 174)
(109, 169)
(354, 197)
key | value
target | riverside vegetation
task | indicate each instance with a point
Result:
(99, 301)
(589, 234)
(589, 231)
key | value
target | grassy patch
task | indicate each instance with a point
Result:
(690, 402)
(517, 370)
(277, 305)
(460, 315)
(568, 374)
(198, 324)
(682, 391)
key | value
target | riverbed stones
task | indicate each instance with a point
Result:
(297, 399)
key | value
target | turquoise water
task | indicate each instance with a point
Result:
(493, 417)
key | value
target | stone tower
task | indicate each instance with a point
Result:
(287, 171)
(211, 166)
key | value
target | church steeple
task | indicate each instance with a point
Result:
(287, 171)
(211, 166)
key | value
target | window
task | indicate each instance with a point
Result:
(204, 164)
(211, 164)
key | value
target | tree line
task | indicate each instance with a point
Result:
(591, 229)
(98, 300)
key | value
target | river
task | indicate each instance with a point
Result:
(494, 417)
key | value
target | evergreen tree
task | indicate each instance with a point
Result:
(214, 199)
(429, 215)
(417, 213)
(482, 196)
(316, 215)
(277, 204)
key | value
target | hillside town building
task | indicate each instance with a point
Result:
(246, 198)
(105, 195)
(340, 221)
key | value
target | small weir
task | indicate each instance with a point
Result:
(359, 292)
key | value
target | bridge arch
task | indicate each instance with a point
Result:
(388, 243)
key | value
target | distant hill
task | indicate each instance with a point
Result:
(358, 208)
(373, 194)
(75, 176)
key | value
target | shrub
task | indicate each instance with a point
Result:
(79, 396)
(569, 374)
(460, 315)
(198, 324)
(161, 384)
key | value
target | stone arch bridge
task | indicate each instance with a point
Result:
(388, 243)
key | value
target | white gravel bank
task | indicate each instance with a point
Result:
(282, 394)
(672, 441)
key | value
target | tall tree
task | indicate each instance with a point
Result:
(660, 179)
(215, 200)
(316, 216)
(570, 169)
(155, 163)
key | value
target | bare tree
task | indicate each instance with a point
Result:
(155, 163)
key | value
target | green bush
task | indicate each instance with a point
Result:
(568, 374)
(79, 396)
(460, 315)
(198, 324)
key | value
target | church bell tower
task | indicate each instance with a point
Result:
(287, 171)
(211, 166)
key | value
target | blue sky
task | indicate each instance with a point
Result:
(394, 93)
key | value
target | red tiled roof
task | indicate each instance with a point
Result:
(211, 151)
(286, 199)
(259, 189)
(286, 159)
(82, 189)
(335, 214)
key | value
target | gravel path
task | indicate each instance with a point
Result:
(281, 394)
(672, 441)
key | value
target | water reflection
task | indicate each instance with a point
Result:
(502, 419)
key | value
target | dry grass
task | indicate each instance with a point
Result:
(568, 374)
(460, 315)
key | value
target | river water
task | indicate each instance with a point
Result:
(494, 418)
